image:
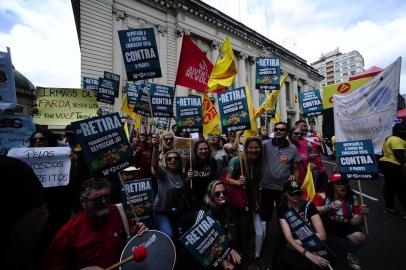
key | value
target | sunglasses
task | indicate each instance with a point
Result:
(218, 193)
(172, 158)
(100, 199)
(279, 129)
(342, 183)
(299, 193)
(40, 139)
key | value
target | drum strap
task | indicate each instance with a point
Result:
(124, 219)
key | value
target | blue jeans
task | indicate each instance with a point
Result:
(163, 222)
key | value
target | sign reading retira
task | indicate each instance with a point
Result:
(140, 54)
(104, 144)
(356, 159)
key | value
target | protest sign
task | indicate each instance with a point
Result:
(189, 114)
(132, 89)
(162, 100)
(162, 123)
(207, 242)
(105, 91)
(140, 195)
(140, 53)
(116, 81)
(8, 98)
(104, 144)
(142, 105)
(306, 235)
(91, 84)
(311, 102)
(15, 131)
(268, 73)
(50, 164)
(61, 106)
(356, 159)
(233, 108)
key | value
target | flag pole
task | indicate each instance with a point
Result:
(362, 203)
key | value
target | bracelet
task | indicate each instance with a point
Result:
(304, 252)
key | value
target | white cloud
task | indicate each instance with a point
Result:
(44, 45)
(310, 28)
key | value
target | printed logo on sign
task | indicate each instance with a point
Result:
(343, 88)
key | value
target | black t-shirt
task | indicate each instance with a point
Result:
(306, 211)
(203, 173)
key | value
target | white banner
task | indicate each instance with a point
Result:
(50, 164)
(369, 111)
(8, 97)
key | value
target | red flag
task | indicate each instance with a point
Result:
(194, 68)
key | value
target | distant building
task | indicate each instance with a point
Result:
(337, 67)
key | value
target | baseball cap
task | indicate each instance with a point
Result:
(291, 187)
(334, 177)
(131, 169)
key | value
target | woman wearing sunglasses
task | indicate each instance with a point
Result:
(292, 254)
(170, 188)
(216, 205)
(342, 215)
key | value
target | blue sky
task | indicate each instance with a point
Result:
(43, 40)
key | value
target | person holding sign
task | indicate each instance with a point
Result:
(294, 255)
(169, 201)
(342, 213)
(215, 203)
(95, 236)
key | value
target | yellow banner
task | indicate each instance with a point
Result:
(211, 119)
(340, 88)
(61, 106)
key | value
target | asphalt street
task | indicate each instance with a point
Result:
(386, 239)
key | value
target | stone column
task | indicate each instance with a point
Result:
(119, 17)
(242, 75)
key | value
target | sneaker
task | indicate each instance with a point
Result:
(391, 211)
(353, 261)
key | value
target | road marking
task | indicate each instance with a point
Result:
(365, 195)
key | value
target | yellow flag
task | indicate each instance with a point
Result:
(308, 184)
(127, 132)
(129, 110)
(211, 119)
(277, 118)
(253, 119)
(224, 70)
(270, 101)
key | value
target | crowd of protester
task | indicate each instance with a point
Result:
(229, 176)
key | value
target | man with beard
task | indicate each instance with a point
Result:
(95, 236)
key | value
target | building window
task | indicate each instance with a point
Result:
(288, 94)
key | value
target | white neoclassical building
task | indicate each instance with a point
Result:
(98, 23)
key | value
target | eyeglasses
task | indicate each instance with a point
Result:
(40, 139)
(279, 129)
(100, 199)
(172, 158)
(168, 139)
(218, 193)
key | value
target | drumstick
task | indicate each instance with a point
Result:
(139, 254)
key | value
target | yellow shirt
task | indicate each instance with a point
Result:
(392, 143)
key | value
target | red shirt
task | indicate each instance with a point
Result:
(80, 244)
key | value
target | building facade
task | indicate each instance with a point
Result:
(98, 23)
(337, 67)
